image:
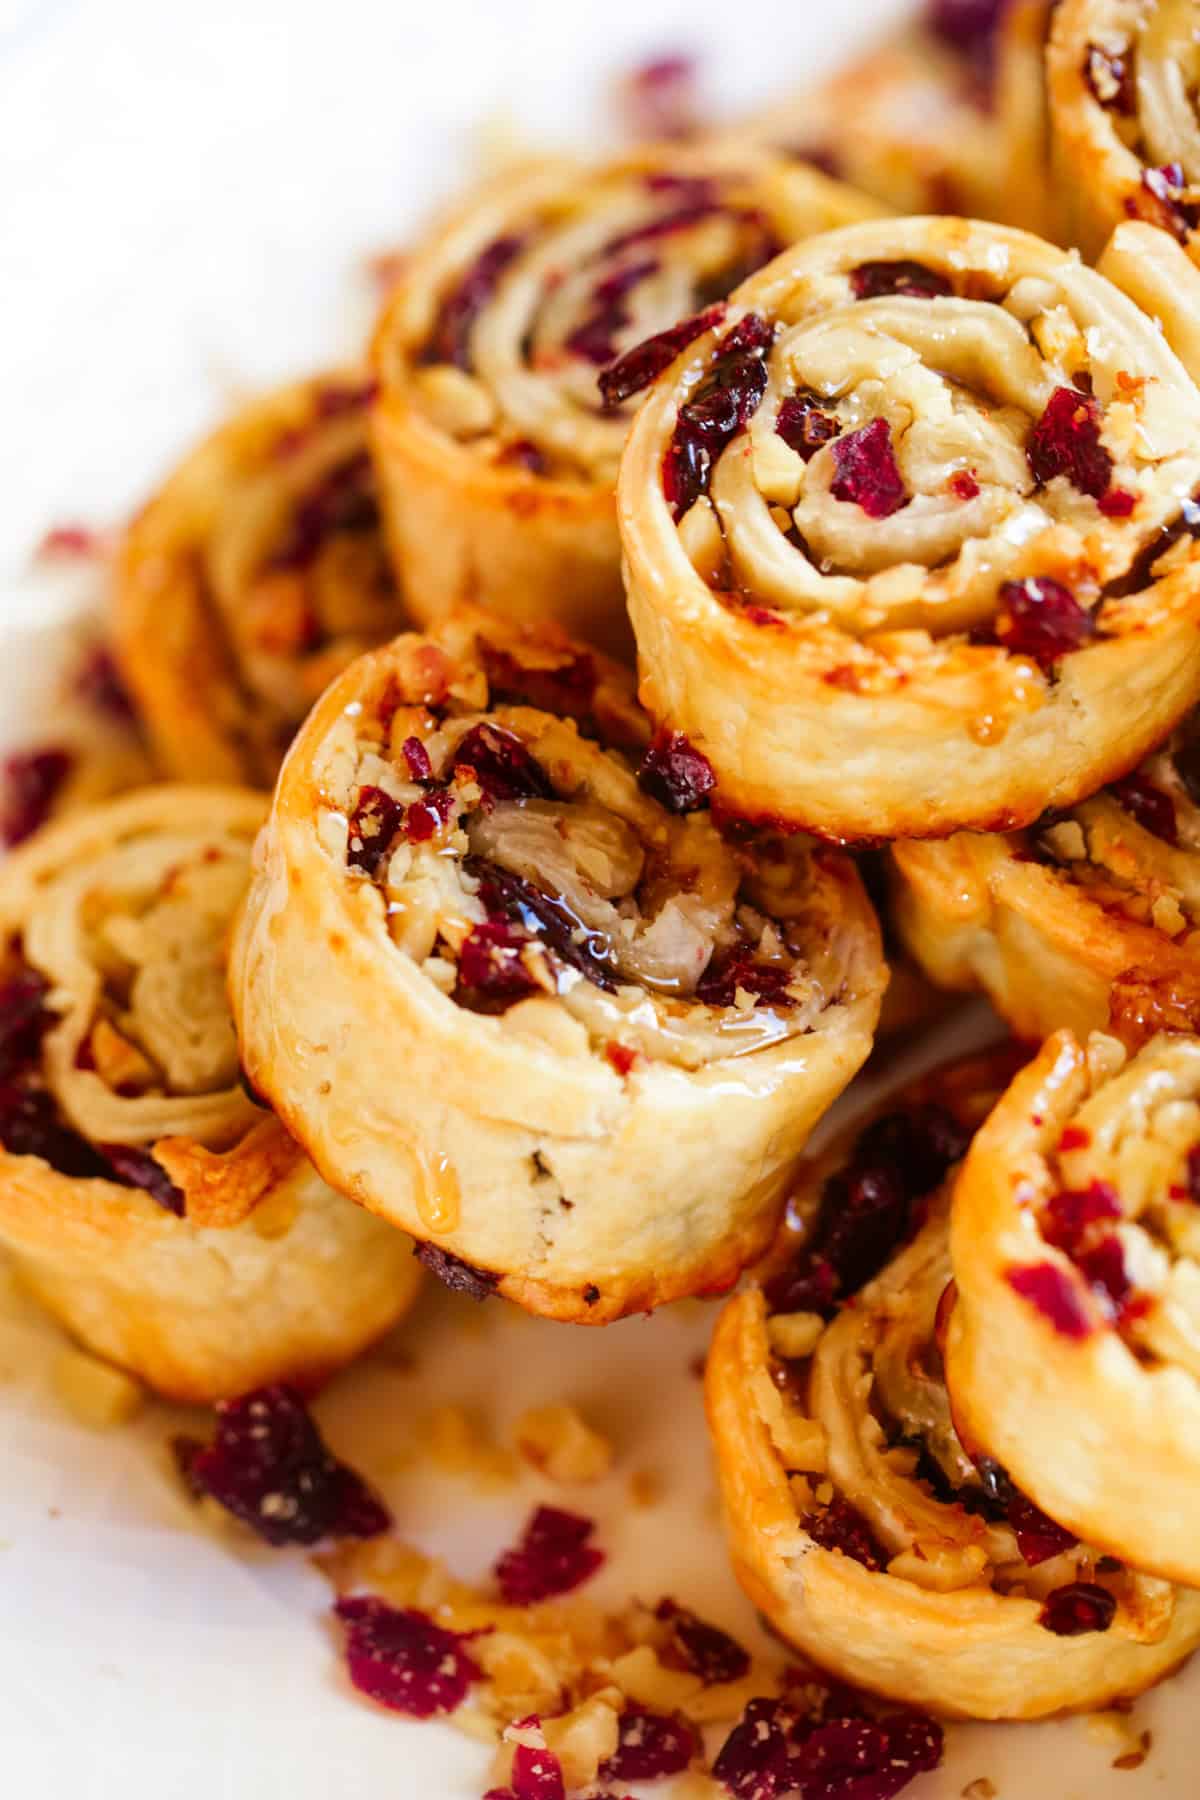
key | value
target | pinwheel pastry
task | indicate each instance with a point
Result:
(511, 989)
(860, 1524)
(1090, 921)
(1122, 76)
(1075, 1246)
(906, 534)
(497, 446)
(157, 1210)
(254, 575)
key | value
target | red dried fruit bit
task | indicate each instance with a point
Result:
(594, 339)
(550, 919)
(523, 453)
(568, 690)
(137, 1168)
(1067, 1215)
(803, 426)
(1117, 503)
(867, 474)
(649, 1746)
(963, 485)
(337, 398)
(343, 500)
(24, 1020)
(872, 279)
(1066, 441)
(1109, 75)
(427, 816)
(676, 774)
(840, 1526)
(1076, 1137)
(1104, 1268)
(537, 1774)
(1079, 1607)
(728, 396)
(967, 24)
(1153, 809)
(553, 1557)
(865, 1759)
(501, 764)
(731, 970)
(75, 542)
(647, 360)
(1038, 1537)
(403, 1659)
(755, 1761)
(492, 967)
(1055, 1295)
(662, 98)
(98, 683)
(30, 1126)
(373, 826)
(416, 757)
(1193, 1173)
(703, 1648)
(269, 1466)
(450, 339)
(1166, 187)
(460, 1277)
(621, 1057)
(1042, 619)
(32, 780)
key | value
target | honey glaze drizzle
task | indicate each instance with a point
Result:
(438, 1195)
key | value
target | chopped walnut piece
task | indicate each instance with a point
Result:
(557, 1440)
(457, 1443)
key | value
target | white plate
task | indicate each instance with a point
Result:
(187, 193)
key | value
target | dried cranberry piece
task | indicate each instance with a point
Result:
(1153, 809)
(523, 453)
(649, 1746)
(1042, 619)
(1110, 79)
(1079, 1607)
(24, 1020)
(501, 764)
(1166, 187)
(427, 816)
(373, 826)
(865, 1759)
(662, 98)
(343, 500)
(840, 1526)
(567, 690)
(460, 1277)
(967, 24)
(32, 780)
(872, 279)
(403, 1659)
(1117, 503)
(1193, 1174)
(803, 426)
(30, 1126)
(755, 1761)
(676, 774)
(1106, 1272)
(594, 339)
(686, 469)
(537, 1774)
(492, 971)
(703, 1648)
(731, 970)
(137, 1168)
(416, 757)
(546, 917)
(1055, 1295)
(1038, 1537)
(728, 396)
(867, 473)
(1068, 1214)
(75, 541)
(1066, 441)
(99, 685)
(269, 1466)
(450, 339)
(963, 485)
(638, 367)
(553, 1557)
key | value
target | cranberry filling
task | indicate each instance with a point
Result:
(647, 360)
(402, 1659)
(30, 1126)
(460, 1277)
(32, 780)
(344, 500)
(450, 339)
(1066, 441)
(969, 25)
(650, 1746)
(803, 426)
(662, 99)
(24, 1020)
(913, 279)
(1042, 619)
(703, 1648)
(728, 396)
(840, 1526)
(1166, 187)
(536, 1774)
(373, 826)
(568, 691)
(501, 764)
(676, 774)
(1104, 1268)
(553, 1557)
(1117, 503)
(867, 473)
(426, 817)
(416, 757)
(1067, 1215)
(1052, 1292)
(523, 453)
(1110, 78)
(1038, 1537)
(963, 485)
(542, 916)
(866, 1759)
(137, 1168)
(99, 685)
(492, 972)
(732, 970)
(1149, 805)
(1192, 1192)
(269, 1466)
(1079, 1607)
(594, 339)
(755, 1761)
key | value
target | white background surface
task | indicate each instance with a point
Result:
(187, 193)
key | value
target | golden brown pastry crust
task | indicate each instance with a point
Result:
(1095, 1405)
(496, 460)
(948, 1618)
(828, 661)
(253, 576)
(536, 1105)
(119, 914)
(1091, 923)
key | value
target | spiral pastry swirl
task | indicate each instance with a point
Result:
(859, 1523)
(162, 1214)
(497, 451)
(1075, 1246)
(902, 527)
(539, 965)
(253, 576)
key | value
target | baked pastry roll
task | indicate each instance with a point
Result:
(1122, 76)
(497, 453)
(859, 1524)
(1089, 922)
(511, 989)
(156, 1209)
(1075, 1247)
(254, 575)
(902, 534)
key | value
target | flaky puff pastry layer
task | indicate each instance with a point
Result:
(252, 577)
(910, 582)
(1089, 923)
(166, 1219)
(497, 459)
(1072, 1351)
(858, 1524)
(511, 1000)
